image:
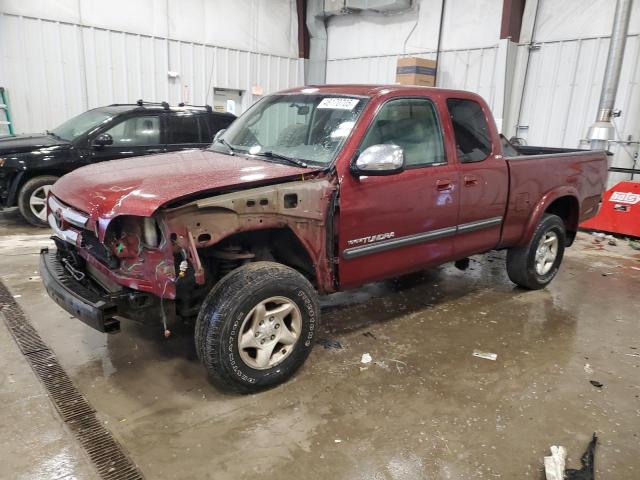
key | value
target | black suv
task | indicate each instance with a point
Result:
(30, 164)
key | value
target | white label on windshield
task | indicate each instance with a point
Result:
(338, 103)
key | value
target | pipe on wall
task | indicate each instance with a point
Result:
(602, 129)
(316, 67)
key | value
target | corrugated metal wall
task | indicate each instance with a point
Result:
(562, 91)
(86, 67)
(471, 69)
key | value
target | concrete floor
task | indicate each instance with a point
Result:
(424, 408)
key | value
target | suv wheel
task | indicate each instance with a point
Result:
(32, 199)
(535, 265)
(257, 327)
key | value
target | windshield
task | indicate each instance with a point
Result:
(306, 127)
(80, 124)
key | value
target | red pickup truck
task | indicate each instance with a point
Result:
(311, 191)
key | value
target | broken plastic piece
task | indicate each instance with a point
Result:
(587, 472)
(366, 358)
(485, 355)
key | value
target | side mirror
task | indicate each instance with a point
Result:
(379, 160)
(218, 134)
(103, 140)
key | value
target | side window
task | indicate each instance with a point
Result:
(470, 129)
(136, 131)
(410, 123)
(185, 129)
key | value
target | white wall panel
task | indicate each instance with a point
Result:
(53, 70)
(472, 69)
(562, 91)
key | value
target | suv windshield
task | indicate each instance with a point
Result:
(80, 124)
(305, 127)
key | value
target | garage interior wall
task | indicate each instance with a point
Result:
(61, 57)
(559, 99)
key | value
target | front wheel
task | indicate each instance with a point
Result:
(534, 265)
(32, 199)
(256, 327)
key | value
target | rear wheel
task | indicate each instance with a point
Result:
(32, 199)
(534, 265)
(256, 327)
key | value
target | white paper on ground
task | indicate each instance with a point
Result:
(554, 464)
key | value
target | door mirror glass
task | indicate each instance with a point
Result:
(218, 134)
(383, 159)
(103, 140)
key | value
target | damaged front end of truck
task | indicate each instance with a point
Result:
(161, 267)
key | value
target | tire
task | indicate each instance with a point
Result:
(36, 188)
(230, 316)
(524, 263)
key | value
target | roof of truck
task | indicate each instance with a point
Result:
(372, 90)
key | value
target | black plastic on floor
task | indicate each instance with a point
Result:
(104, 451)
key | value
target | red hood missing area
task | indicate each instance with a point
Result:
(140, 185)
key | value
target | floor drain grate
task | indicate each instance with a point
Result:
(104, 451)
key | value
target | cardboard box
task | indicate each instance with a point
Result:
(416, 71)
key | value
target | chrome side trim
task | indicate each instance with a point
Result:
(384, 245)
(67, 235)
(479, 224)
(356, 252)
(68, 214)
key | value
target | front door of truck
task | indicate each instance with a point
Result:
(404, 222)
(134, 136)
(484, 178)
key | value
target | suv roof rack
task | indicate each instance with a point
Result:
(165, 105)
(206, 107)
(142, 103)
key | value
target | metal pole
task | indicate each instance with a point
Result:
(602, 130)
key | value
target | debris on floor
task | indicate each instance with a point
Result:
(554, 463)
(485, 355)
(366, 358)
(587, 369)
(596, 383)
(587, 472)
(328, 344)
(370, 335)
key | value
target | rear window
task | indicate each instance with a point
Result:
(187, 129)
(470, 129)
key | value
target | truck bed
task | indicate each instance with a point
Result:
(539, 175)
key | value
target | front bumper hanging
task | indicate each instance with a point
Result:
(95, 310)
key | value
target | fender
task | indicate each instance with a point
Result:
(542, 205)
(299, 206)
(12, 197)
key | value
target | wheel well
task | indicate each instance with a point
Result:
(276, 244)
(24, 178)
(568, 209)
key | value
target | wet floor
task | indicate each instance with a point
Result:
(424, 408)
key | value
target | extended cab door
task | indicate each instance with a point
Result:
(139, 134)
(484, 178)
(404, 222)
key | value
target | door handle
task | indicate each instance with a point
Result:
(470, 180)
(442, 185)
